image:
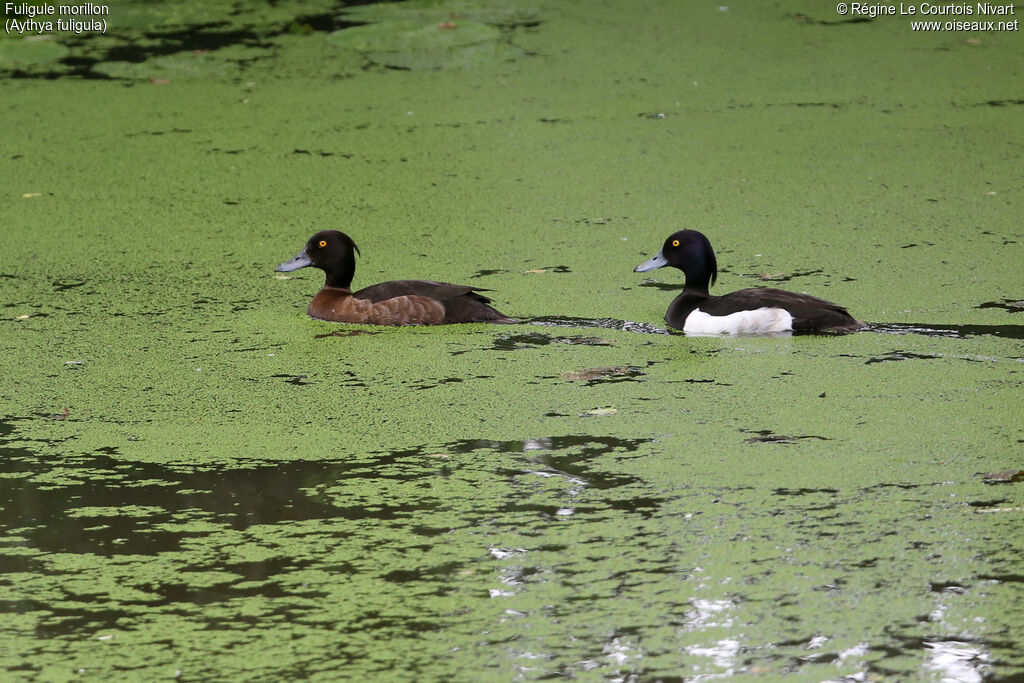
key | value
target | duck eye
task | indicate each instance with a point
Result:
(675, 243)
(323, 243)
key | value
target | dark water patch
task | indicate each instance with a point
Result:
(767, 436)
(69, 621)
(61, 416)
(225, 590)
(645, 506)
(107, 507)
(314, 23)
(886, 485)
(157, 132)
(552, 511)
(820, 658)
(832, 105)
(240, 150)
(868, 563)
(605, 375)
(322, 153)
(1005, 477)
(805, 19)
(119, 44)
(243, 305)
(947, 587)
(64, 621)
(548, 451)
(1002, 578)
(770, 105)
(590, 445)
(140, 314)
(782, 277)
(898, 355)
(104, 507)
(345, 333)
(136, 48)
(529, 340)
(1000, 103)
(196, 38)
(603, 323)
(662, 286)
(442, 571)
(446, 380)
(297, 380)
(259, 570)
(249, 349)
(550, 269)
(351, 379)
(951, 331)
(486, 272)
(600, 220)
(410, 36)
(99, 504)
(1009, 305)
(697, 381)
(993, 503)
(7, 428)
(59, 286)
(803, 491)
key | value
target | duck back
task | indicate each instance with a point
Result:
(452, 303)
(809, 313)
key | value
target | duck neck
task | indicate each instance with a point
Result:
(341, 275)
(698, 281)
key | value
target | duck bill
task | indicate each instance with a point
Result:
(300, 261)
(656, 262)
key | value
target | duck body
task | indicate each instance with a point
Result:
(400, 302)
(758, 310)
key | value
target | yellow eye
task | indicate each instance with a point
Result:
(675, 243)
(323, 243)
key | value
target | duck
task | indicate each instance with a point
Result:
(400, 302)
(758, 310)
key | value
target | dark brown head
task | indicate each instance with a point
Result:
(333, 252)
(690, 252)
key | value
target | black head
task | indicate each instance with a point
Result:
(690, 252)
(333, 252)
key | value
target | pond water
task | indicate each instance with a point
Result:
(201, 483)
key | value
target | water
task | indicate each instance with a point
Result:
(198, 482)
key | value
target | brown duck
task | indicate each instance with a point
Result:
(400, 302)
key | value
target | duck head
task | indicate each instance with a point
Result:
(689, 251)
(333, 252)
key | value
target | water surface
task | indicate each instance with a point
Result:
(199, 482)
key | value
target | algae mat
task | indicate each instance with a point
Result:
(200, 483)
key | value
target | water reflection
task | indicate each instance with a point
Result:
(101, 504)
(603, 323)
(953, 660)
(953, 331)
(557, 556)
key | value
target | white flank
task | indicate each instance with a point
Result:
(742, 322)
